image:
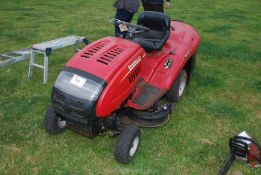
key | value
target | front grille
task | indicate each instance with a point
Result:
(59, 96)
(77, 104)
(58, 99)
(75, 107)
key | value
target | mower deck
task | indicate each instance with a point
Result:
(137, 121)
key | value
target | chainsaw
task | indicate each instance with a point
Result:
(243, 148)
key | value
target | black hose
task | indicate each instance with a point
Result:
(227, 165)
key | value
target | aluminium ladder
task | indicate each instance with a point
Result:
(14, 57)
(45, 48)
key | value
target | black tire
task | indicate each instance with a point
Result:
(51, 122)
(174, 95)
(190, 67)
(126, 141)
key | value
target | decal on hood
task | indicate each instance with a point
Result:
(134, 63)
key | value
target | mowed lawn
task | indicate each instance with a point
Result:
(223, 99)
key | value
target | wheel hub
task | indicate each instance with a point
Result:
(182, 86)
(61, 123)
(134, 146)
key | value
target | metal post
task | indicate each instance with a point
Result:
(45, 77)
(30, 71)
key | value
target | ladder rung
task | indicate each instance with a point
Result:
(37, 65)
(23, 51)
(4, 55)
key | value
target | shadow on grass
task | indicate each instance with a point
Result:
(207, 79)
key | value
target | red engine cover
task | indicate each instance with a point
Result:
(115, 60)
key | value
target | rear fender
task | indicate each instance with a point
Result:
(189, 67)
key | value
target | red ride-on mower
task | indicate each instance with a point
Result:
(114, 85)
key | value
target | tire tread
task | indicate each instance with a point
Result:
(173, 94)
(51, 122)
(124, 142)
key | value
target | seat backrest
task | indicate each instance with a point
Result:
(154, 20)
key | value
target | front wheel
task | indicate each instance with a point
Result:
(127, 144)
(53, 124)
(177, 89)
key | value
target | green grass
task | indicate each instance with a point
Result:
(223, 99)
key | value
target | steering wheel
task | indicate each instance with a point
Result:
(133, 28)
(136, 26)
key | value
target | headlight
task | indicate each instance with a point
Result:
(78, 86)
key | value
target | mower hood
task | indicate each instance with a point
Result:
(105, 57)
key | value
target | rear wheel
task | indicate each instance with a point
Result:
(53, 124)
(127, 144)
(177, 89)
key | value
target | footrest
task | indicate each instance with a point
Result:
(147, 97)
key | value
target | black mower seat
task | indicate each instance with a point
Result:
(159, 25)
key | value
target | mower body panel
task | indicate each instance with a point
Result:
(160, 69)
